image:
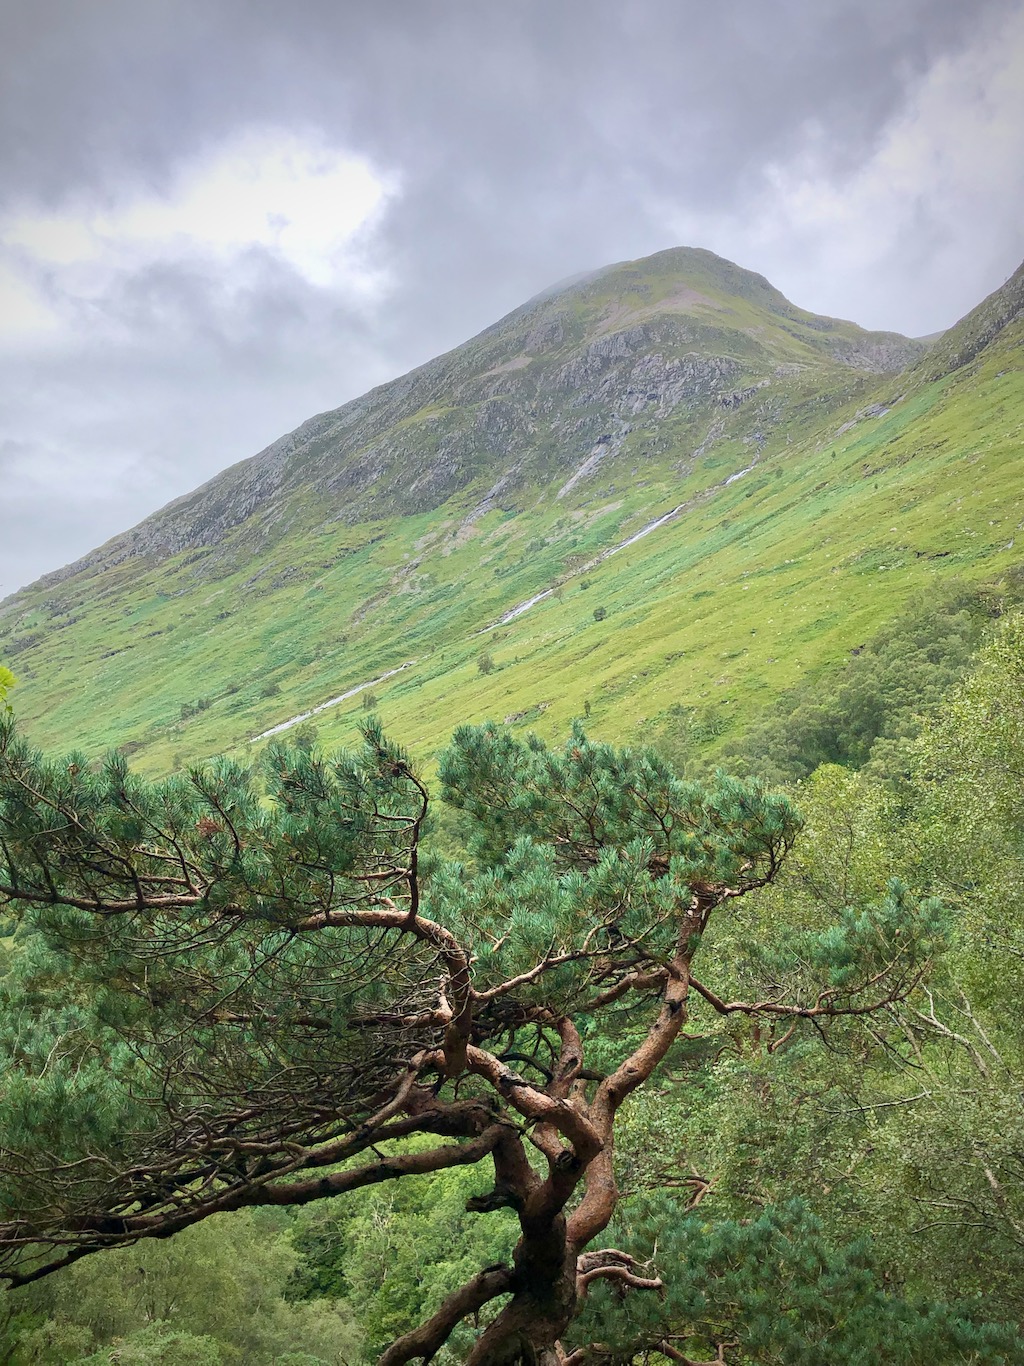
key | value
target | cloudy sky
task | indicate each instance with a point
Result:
(218, 217)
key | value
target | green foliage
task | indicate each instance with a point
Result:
(394, 1254)
(305, 736)
(84, 1054)
(907, 1124)
(780, 1290)
(157, 1344)
(190, 709)
(874, 703)
(520, 793)
(6, 683)
(212, 1296)
(971, 754)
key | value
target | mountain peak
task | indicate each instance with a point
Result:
(667, 349)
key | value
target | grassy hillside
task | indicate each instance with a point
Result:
(819, 484)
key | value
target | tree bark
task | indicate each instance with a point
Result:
(543, 1304)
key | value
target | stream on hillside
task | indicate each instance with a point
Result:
(516, 611)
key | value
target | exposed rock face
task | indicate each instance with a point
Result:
(879, 353)
(964, 342)
(656, 349)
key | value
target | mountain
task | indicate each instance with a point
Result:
(823, 470)
(647, 349)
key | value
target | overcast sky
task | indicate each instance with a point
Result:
(218, 217)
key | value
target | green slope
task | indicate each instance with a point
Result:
(398, 527)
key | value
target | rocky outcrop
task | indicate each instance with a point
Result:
(883, 353)
(980, 328)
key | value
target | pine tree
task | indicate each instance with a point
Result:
(243, 987)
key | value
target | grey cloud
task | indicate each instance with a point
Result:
(170, 384)
(532, 140)
(96, 88)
